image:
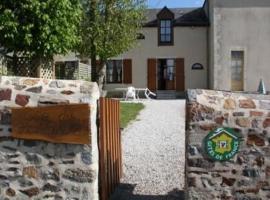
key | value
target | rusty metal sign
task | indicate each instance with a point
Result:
(57, 124)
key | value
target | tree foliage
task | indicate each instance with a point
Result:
(109, 28)
(39, 28)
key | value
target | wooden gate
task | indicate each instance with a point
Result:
(110, 156)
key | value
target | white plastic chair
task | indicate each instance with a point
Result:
(131, 93)
(147, 93)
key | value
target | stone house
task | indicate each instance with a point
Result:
(222, 45)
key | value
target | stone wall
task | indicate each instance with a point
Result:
(247, 175)
(41, 170)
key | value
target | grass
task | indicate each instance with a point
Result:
(129, 112)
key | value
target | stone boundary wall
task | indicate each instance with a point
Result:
(42, 170)
(247, 175)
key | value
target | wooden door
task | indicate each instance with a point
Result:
(180, 74)
(170, 74)
(152, 74)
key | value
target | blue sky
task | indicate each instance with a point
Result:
(174, 3)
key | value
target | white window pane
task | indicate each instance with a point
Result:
(168, 23)
(118, 63)
(170, 62)
(239, 62)
(239, 70)
(162, 23)
(168, 30)
(168, 38)
(234, 63)
(162, 38)
(110, 64)
(162, 30)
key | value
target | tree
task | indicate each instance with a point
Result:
(39, 29)
(109, 28)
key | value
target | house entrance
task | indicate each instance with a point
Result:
(166, 74)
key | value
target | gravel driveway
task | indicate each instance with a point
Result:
(153, 153)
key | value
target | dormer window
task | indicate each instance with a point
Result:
(165, 31)
(165, 27)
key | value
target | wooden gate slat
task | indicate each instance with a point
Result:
(109, 147)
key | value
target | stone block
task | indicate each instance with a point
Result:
(229, 104)
(193, 150)
(247, 103)
(22, 100)
(10, 192)
(57, 84)
(67, 92)
(266, 123)
(79, 175)
(219, 120)
(35, 89)
(30, 172)
(30, 82)
(253, 139)
(51, 188)
(19, 87)
(25, 182)
(192, 182)
(228, 181)
(259, 161)
(243, 122)
(264, 105)
(208, 126)
(256, 123)
(238, 114)
(86, 157)
(200, 162)
(33, 159)
(267, 172)
(5, 117)
(256, 113)
(51, 174)
(251, 172)
(30, 192)
(5, 94)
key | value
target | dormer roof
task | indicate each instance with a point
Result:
(181, 16)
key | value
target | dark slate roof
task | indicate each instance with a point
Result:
(182, 17)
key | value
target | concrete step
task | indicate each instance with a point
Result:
(166, 94)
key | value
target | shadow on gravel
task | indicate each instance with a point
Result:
(125, 192)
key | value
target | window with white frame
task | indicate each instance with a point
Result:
(114, 71)
(165, 33)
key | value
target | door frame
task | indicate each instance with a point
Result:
(156, 70)
(165, 79)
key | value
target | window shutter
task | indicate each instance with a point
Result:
(152, 74)
(127, 71)
(180, 74)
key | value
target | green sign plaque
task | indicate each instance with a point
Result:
(221, 144)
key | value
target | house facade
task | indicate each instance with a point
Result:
(223, 45)
(239, 38)
(171, 42)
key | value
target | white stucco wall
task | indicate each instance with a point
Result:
(190, 43)
(240, 25)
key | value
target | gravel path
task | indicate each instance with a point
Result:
(153, 153)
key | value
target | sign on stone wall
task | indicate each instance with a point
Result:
(57, 124)
(221, 144)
